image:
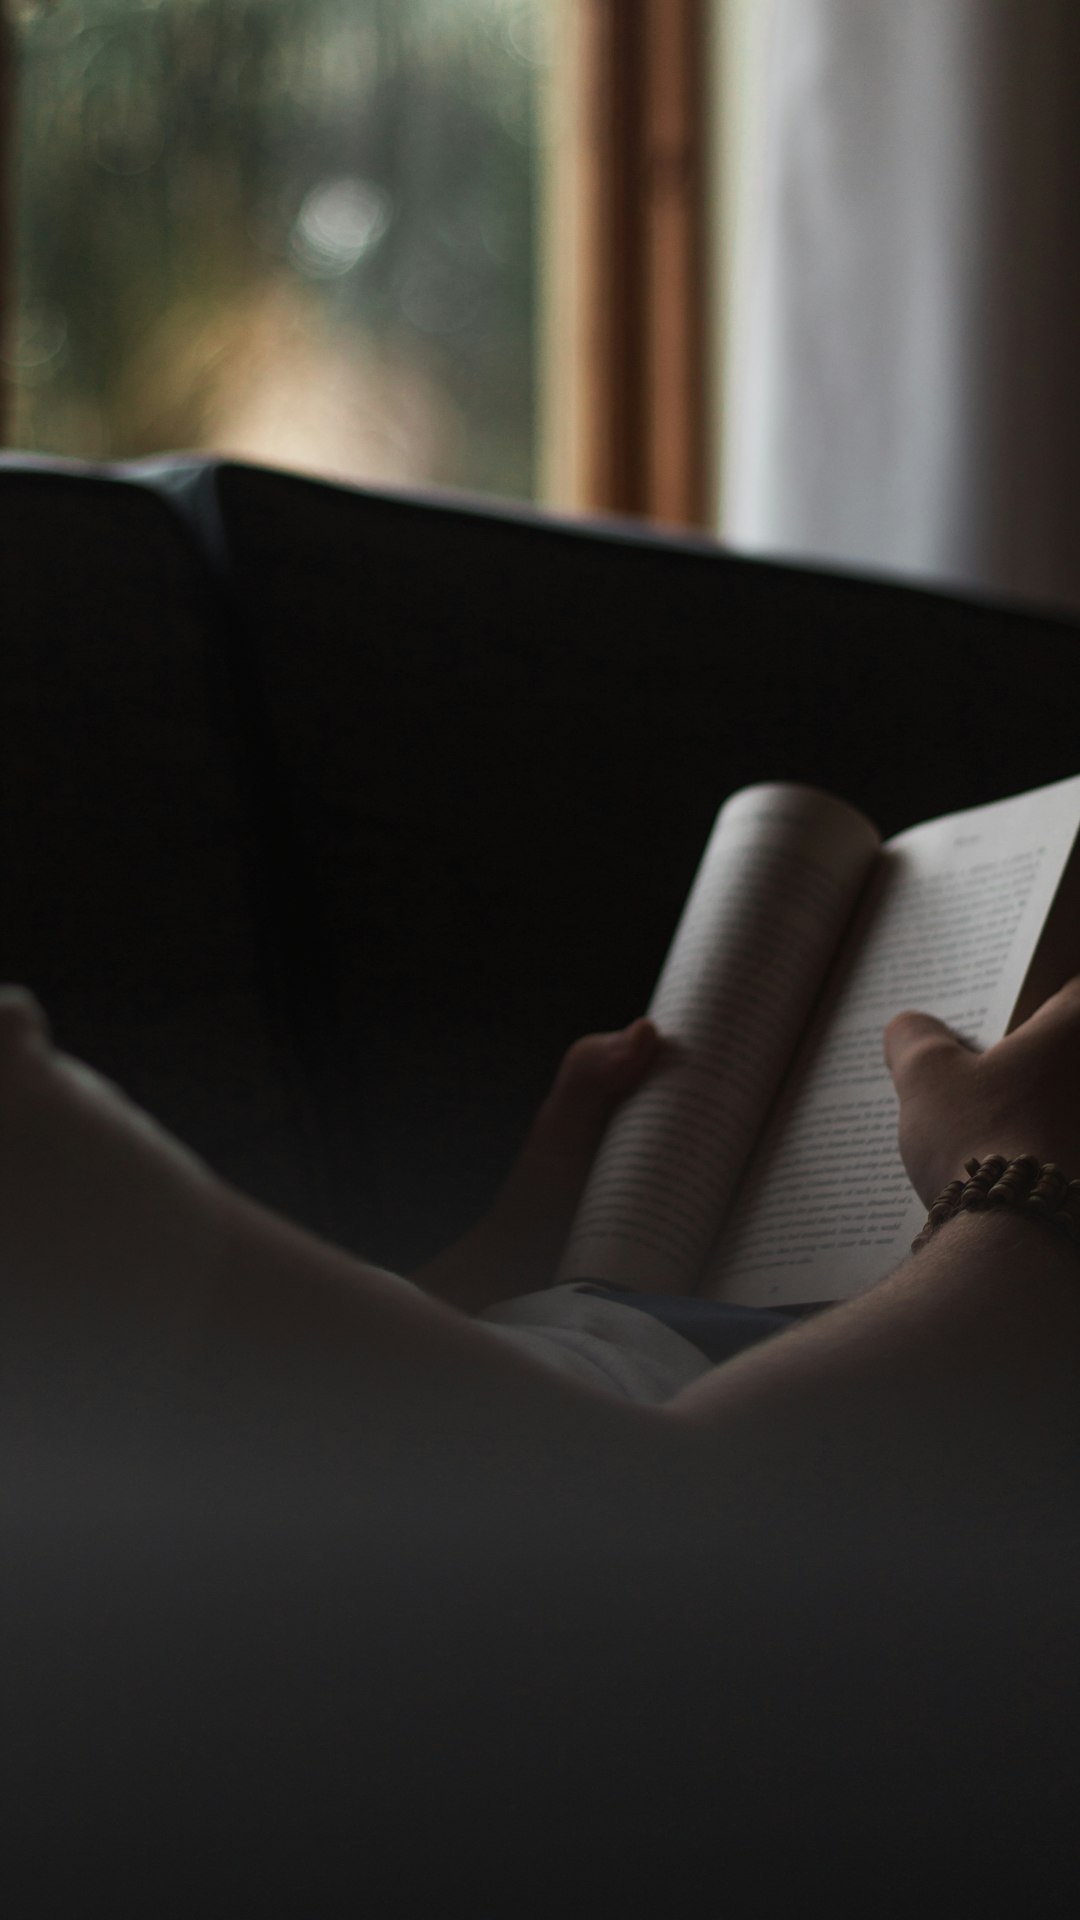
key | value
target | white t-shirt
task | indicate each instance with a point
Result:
(600, 1342)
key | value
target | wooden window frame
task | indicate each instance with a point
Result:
(626, 386)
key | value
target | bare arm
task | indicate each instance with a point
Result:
(958, 1378)
(959, 1374)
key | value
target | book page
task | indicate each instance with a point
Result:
(952, 924)
(775, 890)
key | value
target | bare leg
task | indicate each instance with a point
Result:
(125, 1259)
(517, 1595)
(121, 1251)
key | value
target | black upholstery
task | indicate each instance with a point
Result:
(327, 819)
(330, 817)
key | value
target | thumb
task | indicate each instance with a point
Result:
(918, 1046)
(594, 1076)
(534, 1209)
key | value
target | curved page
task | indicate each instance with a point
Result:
(775, 891)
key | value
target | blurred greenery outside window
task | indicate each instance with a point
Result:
(295, 231)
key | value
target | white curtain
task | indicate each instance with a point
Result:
(904, 375)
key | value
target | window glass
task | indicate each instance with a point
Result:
(298, 231)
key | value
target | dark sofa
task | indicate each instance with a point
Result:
(329, 817)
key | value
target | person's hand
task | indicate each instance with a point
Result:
(1020, 1096)
(515, 1249)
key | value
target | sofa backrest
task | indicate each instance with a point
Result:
(328, 818)
(499, 743)
(133, 885)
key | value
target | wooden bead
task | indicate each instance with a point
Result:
(992, 1168)
(980, 1182)
(1023, 1184)
(1015, 1183)
(1049, 1192)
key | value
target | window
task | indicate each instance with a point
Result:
(456, 242)
(301, 231)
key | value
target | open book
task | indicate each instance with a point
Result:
(759, 1162)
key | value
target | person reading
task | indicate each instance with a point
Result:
(176, 1352)
(119, 1243)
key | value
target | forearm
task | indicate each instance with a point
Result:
(961, 1371)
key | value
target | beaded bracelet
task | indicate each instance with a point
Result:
(1022, 1184)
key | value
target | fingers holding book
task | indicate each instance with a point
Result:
(1019, 1096)
(516, 1247)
